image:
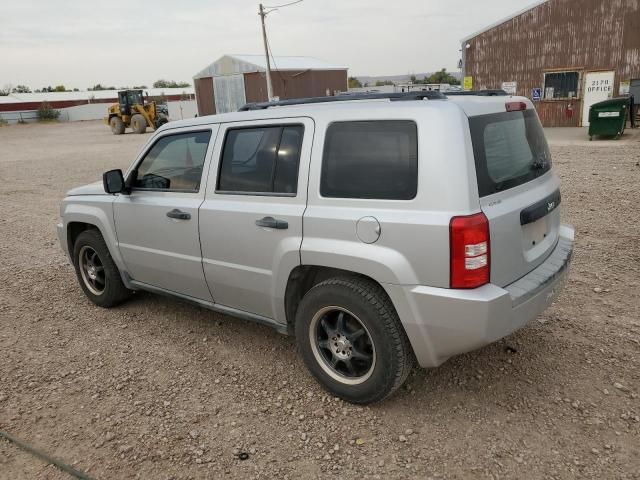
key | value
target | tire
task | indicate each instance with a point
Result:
(106, 289)
(161, 120)
(117, 125)
(138, 123)
(383, 338)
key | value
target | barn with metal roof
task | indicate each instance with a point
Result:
(233, 80)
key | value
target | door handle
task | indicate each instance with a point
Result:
(180, 215)
(270, 222)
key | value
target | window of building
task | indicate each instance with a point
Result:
(371, 159)
(174, 163)
(261, 160)
(561, 85)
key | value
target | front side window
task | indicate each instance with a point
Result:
(261, 160)
(371, 159)
(561, 85)
(174, 162)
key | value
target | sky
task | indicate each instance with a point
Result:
(78, 43)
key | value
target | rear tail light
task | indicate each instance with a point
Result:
(470, 251)
(515, 106)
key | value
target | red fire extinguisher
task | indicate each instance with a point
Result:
(569, 110)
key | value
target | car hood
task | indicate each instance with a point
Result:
(96, 188)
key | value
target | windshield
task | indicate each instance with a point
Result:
(135, 98)
(509, 149)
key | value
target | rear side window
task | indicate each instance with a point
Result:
(372, 159)
(509, 149)
(261, 160)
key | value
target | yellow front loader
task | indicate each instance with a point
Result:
(132, 111)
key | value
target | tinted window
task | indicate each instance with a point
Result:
(174, 162)
(261, 160)
(509, 149)
(373, 159)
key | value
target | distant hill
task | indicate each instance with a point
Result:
(371, 80)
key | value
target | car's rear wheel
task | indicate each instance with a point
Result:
(351, 339)
(97, 273)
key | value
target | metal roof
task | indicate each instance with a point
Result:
(235, 63)
(504, 20)
(87, 95)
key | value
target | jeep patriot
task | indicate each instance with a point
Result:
(380, 230)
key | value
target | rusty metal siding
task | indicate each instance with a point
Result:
(559, 35)
(295, 84)
(204, 96)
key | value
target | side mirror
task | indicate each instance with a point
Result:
(113, 181)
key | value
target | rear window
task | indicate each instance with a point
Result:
(509, 149)
(371, 159)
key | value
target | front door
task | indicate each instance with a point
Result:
(598, 86)
(157, 224)
(251, 220)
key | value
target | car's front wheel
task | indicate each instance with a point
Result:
(97, 273)
(351, 339)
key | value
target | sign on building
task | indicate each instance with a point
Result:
(468, 83)
(625, 87)
(598, 87)
(536, 94)
(510, 87)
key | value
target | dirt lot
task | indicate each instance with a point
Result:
(163, 390)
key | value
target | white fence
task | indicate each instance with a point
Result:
(97, 111)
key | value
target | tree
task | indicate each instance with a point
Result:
(6, 90)
(140, 87)
(21, 89)
(99, 86)
(170, 84)
(354, 83)
(59, 88)
(381, 83)
(413, 79)
(442, 76)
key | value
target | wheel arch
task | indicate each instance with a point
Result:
(304, 277)
(81, 217)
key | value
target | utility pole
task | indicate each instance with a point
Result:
(266, 53)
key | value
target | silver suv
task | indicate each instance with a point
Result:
(379, 230)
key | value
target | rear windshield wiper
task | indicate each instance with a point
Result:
(536, 165)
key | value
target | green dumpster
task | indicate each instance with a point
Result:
(608, 118)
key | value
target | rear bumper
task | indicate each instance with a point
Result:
(441, 322)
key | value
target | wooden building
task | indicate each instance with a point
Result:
(233, 80)
(563, 54)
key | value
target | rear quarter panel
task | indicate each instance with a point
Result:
(413, 248)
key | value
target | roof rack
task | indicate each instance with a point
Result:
(346, 98)
(479, 93)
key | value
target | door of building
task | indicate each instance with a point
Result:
(598, 86)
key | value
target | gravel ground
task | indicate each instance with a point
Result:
(164, 390)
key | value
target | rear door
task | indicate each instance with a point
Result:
(519, 193)
(251, 220)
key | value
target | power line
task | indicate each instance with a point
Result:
(282, 6)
